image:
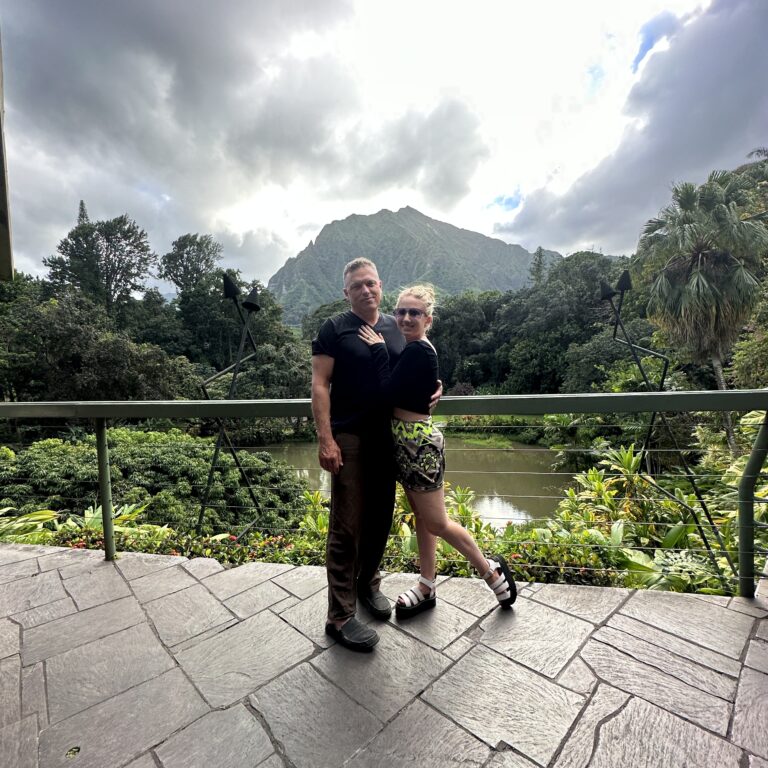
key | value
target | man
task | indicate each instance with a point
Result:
(355, 446)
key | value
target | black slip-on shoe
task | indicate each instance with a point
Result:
(353, 634)
(376, 604)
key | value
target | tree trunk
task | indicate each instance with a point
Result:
(730, 435)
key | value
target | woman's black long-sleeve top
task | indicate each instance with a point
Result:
(412, 382)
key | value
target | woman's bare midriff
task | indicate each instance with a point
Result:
(403, 415)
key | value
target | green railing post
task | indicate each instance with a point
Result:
(105, 488)
(747, 511)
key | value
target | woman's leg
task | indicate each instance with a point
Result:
(429, 508)
(427, 551)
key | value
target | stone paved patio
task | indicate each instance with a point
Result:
(161, 662)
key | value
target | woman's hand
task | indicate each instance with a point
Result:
(369, 336)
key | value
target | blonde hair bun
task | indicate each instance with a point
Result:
(424, 292)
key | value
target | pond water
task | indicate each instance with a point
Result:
(514, 483)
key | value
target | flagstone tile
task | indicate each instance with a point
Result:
(688, 671)
(675, 644)
(232, 738)
(459, 647)
(230, 582)
(30, 592)
(33, 701)
(256, 599)
(645, 736)
(145, 761)
(309, 617)
(161, 583)
(757, 762)
(754, 606)
(712, 626)
(284, 604)
(272, 762)
(12, 553)
(751, 713)
(18, 743)
(762, 629)
(201, 567)
(90, 673)
(202, 637)
(96, 587)
(387, 679)
(498, 700)
(182, 615)
(10, 690)
(578, 677)
(594, 604)
(301, 695)
(237, 661)
(667, 691)
(68, 556)
(757, 655)
(533, 634)
(420, 736)
(46, 640)
(510, 760)
(10, 638)
(471, 595)
(134, 565)
(18, 570)
(438, 627)
(304, 581)
(85, 565)
(135, 721)
(40, 615)
(577, 751)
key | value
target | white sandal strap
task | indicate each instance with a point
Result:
(414, 595)
(500, 586)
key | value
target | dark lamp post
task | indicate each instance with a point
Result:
(251, 305)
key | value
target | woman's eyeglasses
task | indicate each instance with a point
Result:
(410, 311)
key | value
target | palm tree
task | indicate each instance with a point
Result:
(704, 290)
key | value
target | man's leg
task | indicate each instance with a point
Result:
(343, 541)
(379, 504)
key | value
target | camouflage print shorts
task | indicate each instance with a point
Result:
(419, 454)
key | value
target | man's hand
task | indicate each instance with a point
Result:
(435, 399)
(329, 454)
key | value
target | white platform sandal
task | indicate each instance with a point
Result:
(503, 586)
(415, 601)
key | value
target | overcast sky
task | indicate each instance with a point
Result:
(542, 122)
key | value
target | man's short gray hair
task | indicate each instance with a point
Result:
(356, 264)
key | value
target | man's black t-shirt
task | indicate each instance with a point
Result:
(357, 402)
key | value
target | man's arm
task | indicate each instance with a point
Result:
(328, 452)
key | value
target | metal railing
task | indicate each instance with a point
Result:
(100, 413)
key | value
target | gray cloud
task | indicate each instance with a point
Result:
(701, 105)
(144, 106)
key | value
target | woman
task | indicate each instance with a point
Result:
(419, 452)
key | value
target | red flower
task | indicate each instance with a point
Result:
(233, 538)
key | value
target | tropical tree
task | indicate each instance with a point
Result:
(706, 255)
(190, 258)
(106, 260)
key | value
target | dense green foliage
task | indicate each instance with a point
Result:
(167, 471)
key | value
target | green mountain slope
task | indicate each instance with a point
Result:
(407, 246)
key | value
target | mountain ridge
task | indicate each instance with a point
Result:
(407, 246)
